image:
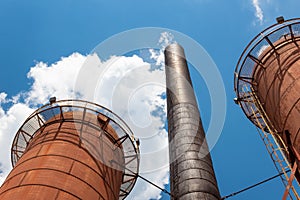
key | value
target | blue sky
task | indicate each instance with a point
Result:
(44, 31)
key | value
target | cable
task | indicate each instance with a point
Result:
(252, 186)
(163, 190)
(225, 197)
(136, 174)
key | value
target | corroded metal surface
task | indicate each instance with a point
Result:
(191, 170)
(278, 88)
(271, 66)
(72, 150)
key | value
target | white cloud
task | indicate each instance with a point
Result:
(262, 49)
(129, 87)
(125, 85)
(3, 96)
(258, 11)
(54, 80)
(10, 121)
(2, 100)
(164, 40)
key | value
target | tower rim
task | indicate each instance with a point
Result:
(254, 53)
(54, 112)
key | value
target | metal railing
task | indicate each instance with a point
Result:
(276, 148)
(59, 112)
(269, 42)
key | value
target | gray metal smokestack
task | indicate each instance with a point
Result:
(191, 170)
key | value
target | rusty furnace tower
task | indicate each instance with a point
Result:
(71, 150)
(267, 85)
(192, 175)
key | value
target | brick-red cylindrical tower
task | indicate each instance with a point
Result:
(72, 150)
(277, 85)
(269, 70)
